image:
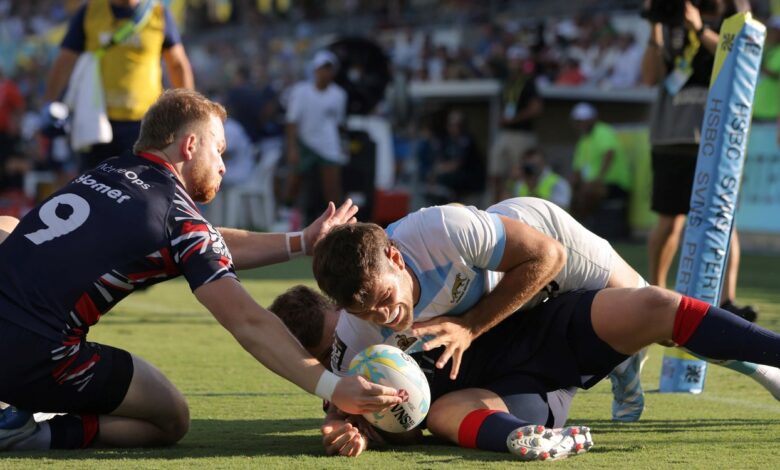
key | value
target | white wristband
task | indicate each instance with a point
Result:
(326, 385)
(290, 253)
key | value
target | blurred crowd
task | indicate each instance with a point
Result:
(247, 54)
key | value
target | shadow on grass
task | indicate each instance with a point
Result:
(210, 438)
(672, 426)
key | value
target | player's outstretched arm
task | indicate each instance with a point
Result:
(266, 338)
(254, 249)
(530, 261)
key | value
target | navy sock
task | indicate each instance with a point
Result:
(723, 335)
(487, 429)
(73, 431)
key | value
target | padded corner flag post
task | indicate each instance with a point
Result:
(719, 165)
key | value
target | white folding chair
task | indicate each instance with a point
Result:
(258, 191)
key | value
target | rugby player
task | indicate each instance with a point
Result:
(131, 222)
(489, 365)
(517, 381)
(458, 271)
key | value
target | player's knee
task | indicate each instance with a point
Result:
(655, 303)
(439, 420)
(176, 425)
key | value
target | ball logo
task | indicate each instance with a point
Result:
(388, 365)
(406, 421)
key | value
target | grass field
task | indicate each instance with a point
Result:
(245, 417)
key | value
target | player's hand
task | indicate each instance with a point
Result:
(449, 332)
(366, 429)
(356, 395)
(343, 438)
(332, 217)
(693, 20)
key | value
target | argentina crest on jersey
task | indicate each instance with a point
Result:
(448, 289)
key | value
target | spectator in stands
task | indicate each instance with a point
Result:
(535, 177)
(129, 69)
(316, 109)
(520, 104)
(407, 48)
(12, 106)
(675, 131)
(457, 169)
(12, 162)
(244, 101)
(601, 177)
(627, 63)
(570, 73)
(604, 61)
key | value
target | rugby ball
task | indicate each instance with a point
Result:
(388, 365)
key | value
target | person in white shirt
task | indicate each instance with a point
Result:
(315, 111)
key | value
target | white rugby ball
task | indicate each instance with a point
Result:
(388, 365)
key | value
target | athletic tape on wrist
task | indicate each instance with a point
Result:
(290, 253)
(326, 385)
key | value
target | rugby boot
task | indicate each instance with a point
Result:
(628, 400)
(536, 442)
(748, 312)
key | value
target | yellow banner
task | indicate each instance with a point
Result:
(728, 32)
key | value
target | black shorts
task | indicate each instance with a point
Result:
(72, 376)
(547, 348)
(673, 172)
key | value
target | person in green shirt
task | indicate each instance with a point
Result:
(601, 175)
(766, 106)
(534, 177)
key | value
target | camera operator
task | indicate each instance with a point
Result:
(679, 59)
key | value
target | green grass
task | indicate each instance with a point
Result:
(243, 416)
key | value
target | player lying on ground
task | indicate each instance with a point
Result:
(524, 372)
(132, 222)
(492, 398)
(477, 268)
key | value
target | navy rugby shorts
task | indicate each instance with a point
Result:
(550, 347)
(70, 376)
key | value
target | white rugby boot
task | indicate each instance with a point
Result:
(536, 442)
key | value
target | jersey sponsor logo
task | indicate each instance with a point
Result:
(130, 175)
(102, 188)
(337, 354)
(459, 287)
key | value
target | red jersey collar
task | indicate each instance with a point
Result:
(155, 159)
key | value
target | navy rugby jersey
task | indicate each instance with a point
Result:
(126, 223)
